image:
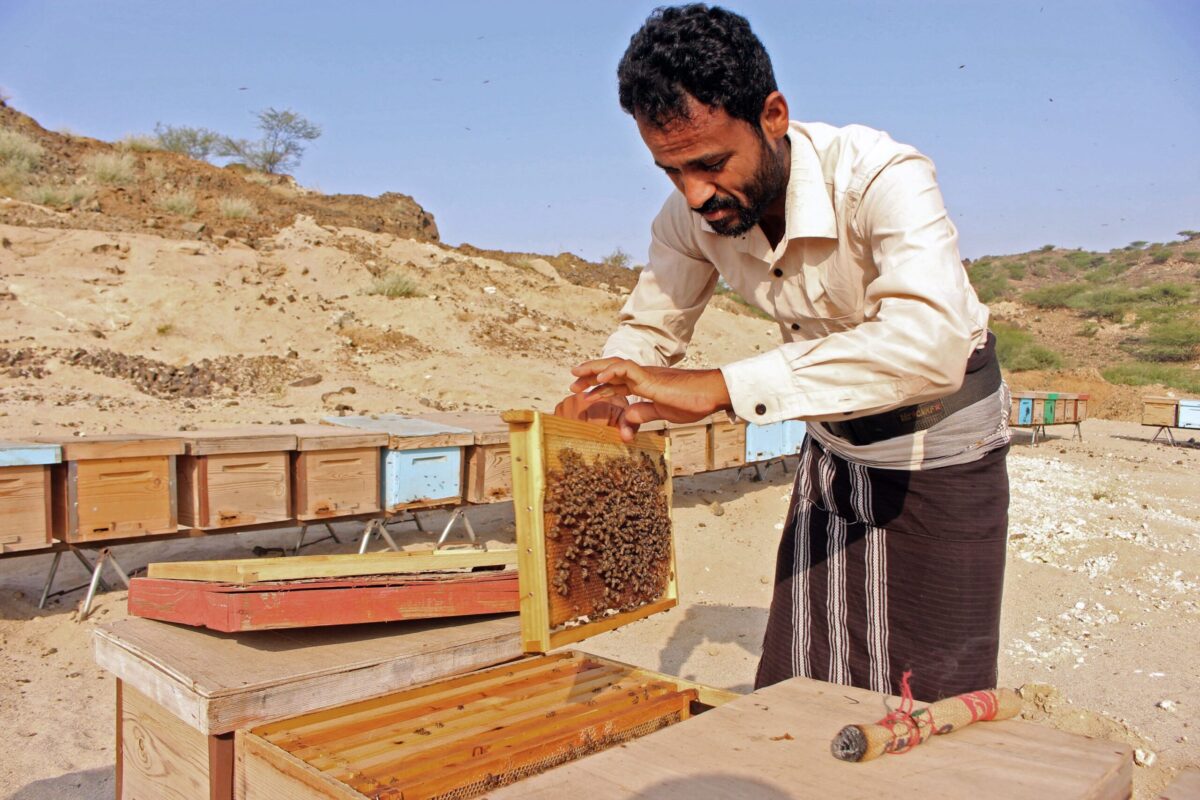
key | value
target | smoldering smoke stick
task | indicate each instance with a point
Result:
(904, 728)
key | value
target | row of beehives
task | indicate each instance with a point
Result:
(1170, 412)
(126, 486)
(1047, 408)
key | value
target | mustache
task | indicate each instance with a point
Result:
(716, 203)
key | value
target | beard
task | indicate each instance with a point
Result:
(769, 181)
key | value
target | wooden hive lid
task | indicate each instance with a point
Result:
(487, 426)
(250, 439)
(28, 454)
(1159, 399)
(333, 437)
(115, 445)
(406, 433)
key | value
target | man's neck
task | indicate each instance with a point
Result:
(774, 221)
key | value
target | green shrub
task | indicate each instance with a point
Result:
(236, 208)
(1174, 340)
(1016, 270)
(1110, 303)
(989, 279)
(111, 169)
(1055, 296)
(1046, 248)
(182, 202)
(57, 196)
(1088, 330)
(1018, 352)
(198, 143)
(1160, 255)
(394, 285)
(1191, 256)
(1137, 373)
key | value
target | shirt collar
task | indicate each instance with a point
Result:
(809, 209)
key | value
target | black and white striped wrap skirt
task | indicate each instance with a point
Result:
(882, 571)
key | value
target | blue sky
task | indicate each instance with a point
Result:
(1072, 123)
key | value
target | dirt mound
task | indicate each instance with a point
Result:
(179, 197)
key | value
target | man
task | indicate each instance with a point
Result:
(892, 557)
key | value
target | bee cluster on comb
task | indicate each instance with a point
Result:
(608, 532)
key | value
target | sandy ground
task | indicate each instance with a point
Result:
(1101, 621)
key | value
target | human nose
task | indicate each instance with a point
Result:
(696, 190)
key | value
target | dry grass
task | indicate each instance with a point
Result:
(19, 155)
(236, 208)
(110, 169)
(140, 143)
(394, 286)
(182, 202)
(57, 196)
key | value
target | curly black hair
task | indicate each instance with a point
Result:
(706, 52)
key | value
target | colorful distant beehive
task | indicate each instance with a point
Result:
(776, 440)
(25, 509)
(1189, 413)
(422, 463)
(1047, 408)
(115, 487)
(335, 471)
(235, 477)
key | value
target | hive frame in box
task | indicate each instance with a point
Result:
(529, 433)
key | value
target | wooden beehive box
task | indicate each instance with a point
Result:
(488, 475)
(463, 737)
(727, 442)
(26, 518)
(1162, 411)
(689, 447)
(422, 463)
(593, 517)
(115, 487)
(1081, 406)
(335, 471)
(235, 477)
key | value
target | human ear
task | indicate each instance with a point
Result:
(774, 117)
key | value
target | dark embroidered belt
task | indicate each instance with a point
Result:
(982, 380)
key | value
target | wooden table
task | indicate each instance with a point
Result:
(181, 692)
(775, 744)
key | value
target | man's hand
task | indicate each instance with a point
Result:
(674, 395)
(593, 407)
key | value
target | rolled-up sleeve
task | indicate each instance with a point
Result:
(919, 327)
(659, 317)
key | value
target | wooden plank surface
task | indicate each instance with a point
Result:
(115, 445)
(337, 565)
(29, 454)
(160, 756)
(332, 437)
(487, 426)
(302, 604)
(775, 744)
(217, 683)
(407, 433)
(250, 439)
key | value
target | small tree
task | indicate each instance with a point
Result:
(1190, 236)
(617, 258)
(281, 145)
(198, 143)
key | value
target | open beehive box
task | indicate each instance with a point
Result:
(595, 551)
(593, 517)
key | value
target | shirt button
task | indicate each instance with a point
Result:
(760, 409)
(795, 326)
(777, 272)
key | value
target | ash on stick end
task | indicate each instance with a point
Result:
(850, 744)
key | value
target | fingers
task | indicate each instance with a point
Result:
(592, 367)
(641, 413)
